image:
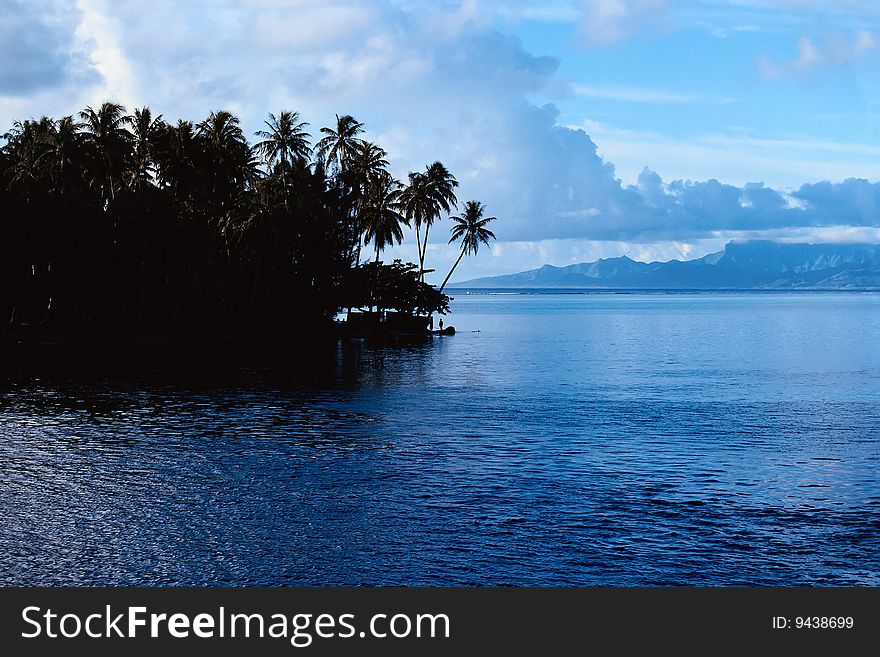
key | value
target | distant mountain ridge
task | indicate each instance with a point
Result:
(758, 264)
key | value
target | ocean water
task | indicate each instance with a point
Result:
(556, 439)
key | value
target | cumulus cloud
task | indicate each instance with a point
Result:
(694, 210)
(591, 203)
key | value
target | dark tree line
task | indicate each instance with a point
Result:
(113, 222)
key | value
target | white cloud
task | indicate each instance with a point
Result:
(837, 49)
(808, 55)
(605, 22)
(107, 56)
(865, 41)
(309, 27)
(727, 32)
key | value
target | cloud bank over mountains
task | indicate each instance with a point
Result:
(430, 81)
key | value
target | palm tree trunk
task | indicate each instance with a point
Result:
(446, 280)
(419, 247)
(424, 252)
(357, 236)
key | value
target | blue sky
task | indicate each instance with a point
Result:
(590, 128)
(789, 81)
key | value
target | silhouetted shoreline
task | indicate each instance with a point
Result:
(30, 353)
(124, 236)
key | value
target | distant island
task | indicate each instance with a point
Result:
(758, 264)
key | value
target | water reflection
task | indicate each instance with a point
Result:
(568, 442)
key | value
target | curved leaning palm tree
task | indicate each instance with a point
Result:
(470, 228)
(286, 141)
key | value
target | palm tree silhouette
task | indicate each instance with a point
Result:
(427, 196)
(286, 140)
(417, 206)
(66, 154)
(441, 188)
(230, 160)
(146, 131)
(180, 158)
(369, 161)
(221, 129)
(29, 143)
(382, 219)
(125, 223)
(368, 165)
(470, 228)
(339, 146)
(108, 143)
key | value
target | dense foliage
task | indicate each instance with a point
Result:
(113, 222)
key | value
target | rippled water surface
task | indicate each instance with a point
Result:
(555, 440)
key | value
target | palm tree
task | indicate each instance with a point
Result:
(177, 157)
(368, 165)
(339, 145)
(285, 141)
(441, 190)
(28, 143)
(108, 142)
(112, 223)
(369, 161)
(251, 173)
(220, 129)
(442, 184)
(470, 228)
(65, 153)
(427, 196)
(146, 131)
(417, 205)
(382, 218)
(229, 154)
(338, 148)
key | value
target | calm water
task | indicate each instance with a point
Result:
(556, 440)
